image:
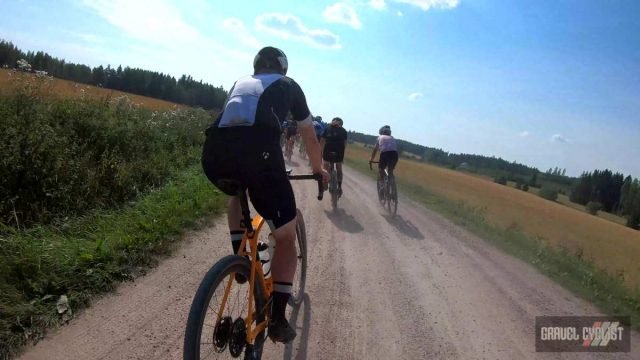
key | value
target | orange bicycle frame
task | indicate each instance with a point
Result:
(256, 267)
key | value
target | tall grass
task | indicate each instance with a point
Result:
(92, 191)
(91, 254)
(62, 157)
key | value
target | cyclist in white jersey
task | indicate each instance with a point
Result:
(388, 148)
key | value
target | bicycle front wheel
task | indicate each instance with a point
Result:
(300, 277)
(216, 327)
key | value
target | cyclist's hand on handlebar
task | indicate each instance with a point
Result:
(325, 177)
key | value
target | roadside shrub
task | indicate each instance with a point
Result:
(62, 157)
(500, 180)
(525, 187)
(593, 207)
(549, 193)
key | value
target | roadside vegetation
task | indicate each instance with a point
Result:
(93, 192)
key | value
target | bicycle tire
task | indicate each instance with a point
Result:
(333, 188)
(197, 313)
(297, 293)
(392, 197)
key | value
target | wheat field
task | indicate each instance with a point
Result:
(611, 246)
(65, 88)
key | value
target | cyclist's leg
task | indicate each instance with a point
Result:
(218, 165)
(234, 215)
(393, 161)
(272, 196)
(339, 158)
(382, 164)
(339, 172)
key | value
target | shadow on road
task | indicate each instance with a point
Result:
(301, 319)
(405, 227)
(344, 221)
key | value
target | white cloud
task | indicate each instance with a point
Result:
(559, 138)
(428, 4)
(377, 4)
(155, 21)
(86, 37)
(523, 133)
(288, 26)
(164, 41)
(414, 96)
(342, 13)
(237, 28)
(399, 13)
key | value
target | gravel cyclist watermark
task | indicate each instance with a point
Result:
(583, 334)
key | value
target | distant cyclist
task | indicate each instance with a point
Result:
(291, 135)
(334, 141)
(388, 148)
(318, 127)
(243, 145)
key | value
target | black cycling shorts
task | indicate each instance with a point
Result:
(333, 155)
(388, 159)
(242, 156)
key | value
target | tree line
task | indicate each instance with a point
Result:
(444, 158)
(184, 90)
(612, 191)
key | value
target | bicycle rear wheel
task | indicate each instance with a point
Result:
(300, 277)
(333, 188)
(392, 197)
(210, 338)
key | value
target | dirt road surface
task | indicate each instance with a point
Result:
(412, 287)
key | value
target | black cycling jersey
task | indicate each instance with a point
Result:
(243, 143)
(335, 141)
(335, 138)
(263, 101)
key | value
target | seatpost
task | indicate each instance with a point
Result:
(246, 214)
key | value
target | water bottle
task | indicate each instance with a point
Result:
(265, 258)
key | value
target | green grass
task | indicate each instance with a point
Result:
(568, 269)
(90, 255)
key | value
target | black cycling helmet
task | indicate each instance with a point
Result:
(270, 59)
(385, 130)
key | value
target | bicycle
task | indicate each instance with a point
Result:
(388, 190)
(245, 332)
(333, 184)
(289, 148)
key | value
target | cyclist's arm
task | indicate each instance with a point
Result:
(301, 113)
(375, 150)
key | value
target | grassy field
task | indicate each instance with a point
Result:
(610, 246)
(64, 88)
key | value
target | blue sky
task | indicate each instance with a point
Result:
(545, 83)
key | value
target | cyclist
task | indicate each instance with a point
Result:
(242, 145)
(334, 141)
(291, 134)
(388, 154)
(318, 127)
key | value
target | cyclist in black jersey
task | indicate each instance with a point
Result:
(334, 141)
(243, 145)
